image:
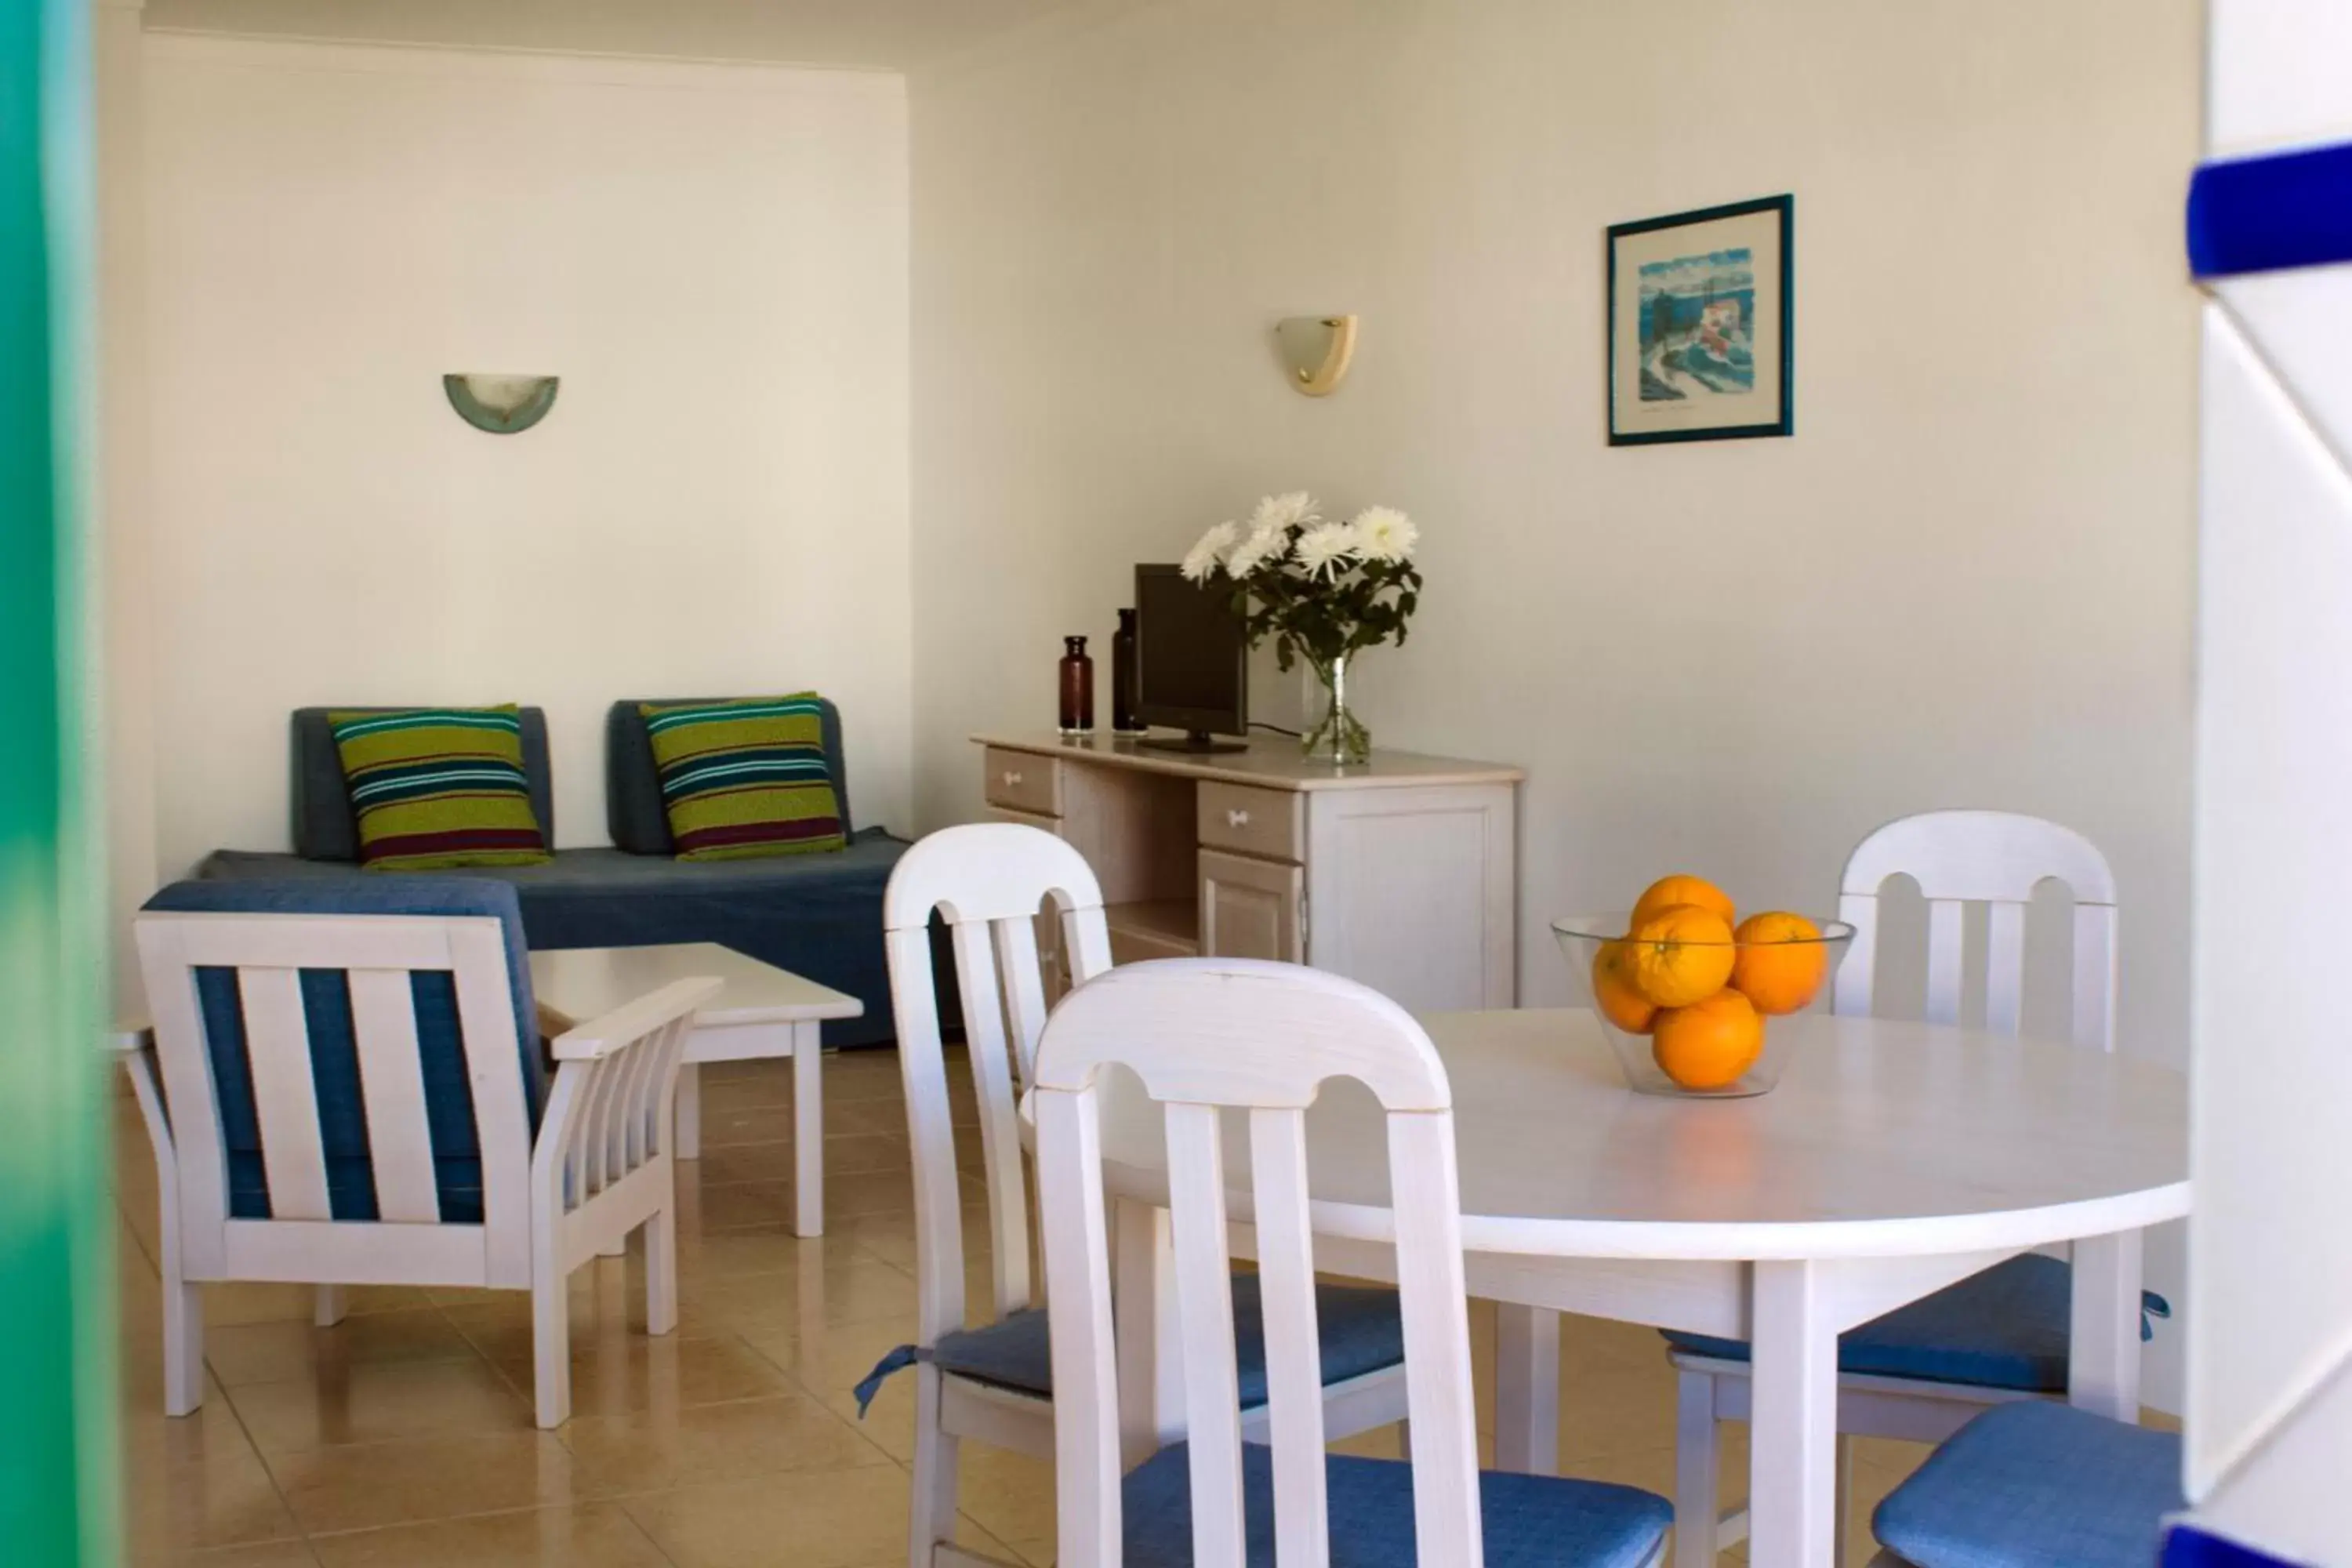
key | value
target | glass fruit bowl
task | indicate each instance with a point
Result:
(1717, 1041)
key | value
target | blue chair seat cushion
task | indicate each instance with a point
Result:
(1359, 1325)
(2007, 1327)
(2032, 1484)
(1527, 1519)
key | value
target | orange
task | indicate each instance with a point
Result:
(1679, 954)
(1667, 892)
(1710, 1043)
(1614, 995)
(1781, 960)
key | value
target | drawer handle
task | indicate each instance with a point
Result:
(1012, 779)
(1236, 817)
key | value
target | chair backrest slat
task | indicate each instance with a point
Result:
(1286, 1250)
(1205, 1305)
(988, 881)
(392, 1082)
(285, 1092)
(1000, 1121)
(1022, 976)
(1087, 1467)
(1992, 858)
(1205, 1035)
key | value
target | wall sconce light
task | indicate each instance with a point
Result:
(1316, 350)
(502, 404)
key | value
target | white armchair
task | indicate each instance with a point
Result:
(343, 1085)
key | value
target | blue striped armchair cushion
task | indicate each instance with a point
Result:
(334, 1052)
(2033, 1484)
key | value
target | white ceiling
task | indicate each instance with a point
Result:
(889, 34)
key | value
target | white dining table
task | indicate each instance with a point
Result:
(1892, 1160)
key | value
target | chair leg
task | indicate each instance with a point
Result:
(183, 1344)
(1844, 1465)
(551, 1347)
(329, 1305)
(932, 1511)
(661, 1271)
(1695, 1471)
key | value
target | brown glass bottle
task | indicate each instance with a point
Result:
(1077, 688)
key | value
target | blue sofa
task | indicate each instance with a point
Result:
(818, 915)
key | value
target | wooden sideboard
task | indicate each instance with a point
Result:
(1402, 872)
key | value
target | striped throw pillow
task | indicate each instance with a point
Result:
(435, 788)
(745, 778)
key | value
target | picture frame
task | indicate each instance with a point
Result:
(1702, 324)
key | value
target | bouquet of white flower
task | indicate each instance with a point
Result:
(1322, 589)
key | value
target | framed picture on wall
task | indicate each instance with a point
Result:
(1702, 324)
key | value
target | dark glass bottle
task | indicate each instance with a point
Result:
(1077, 688)
(1124, 691)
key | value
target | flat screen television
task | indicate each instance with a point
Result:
(1191, 661)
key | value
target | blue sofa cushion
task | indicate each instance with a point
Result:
(324, 826)
(2032, 1484)
(334, 1053)
(635, 811)
(2007, 1327)
(1528, 1520)
(815, 915)
(1357, 1325)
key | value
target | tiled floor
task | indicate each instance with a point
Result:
(404, 1435)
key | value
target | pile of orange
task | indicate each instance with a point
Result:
(1700, 981)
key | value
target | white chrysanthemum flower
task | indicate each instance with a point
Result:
(1209, 552)
(1326, 549)
(1263, 546)
(1384, 533)
(1295, 508)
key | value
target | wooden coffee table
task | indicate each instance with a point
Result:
(764, 1012)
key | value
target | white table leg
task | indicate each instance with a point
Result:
(690, 1112)
(1526, 1389)
(808, 1129)
(1792, 1464)
(2103, 1358)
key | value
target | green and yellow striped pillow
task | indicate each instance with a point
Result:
(434, 788)
(746, 777)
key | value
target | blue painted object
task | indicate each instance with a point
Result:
(1359, 1331)
(1529, 1521)
(2265, 214)
(2033, 1484)
(2189, 1547)
(334, 1051)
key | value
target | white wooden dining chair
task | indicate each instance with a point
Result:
(991, 1380)
(343, 1087)
(1921, 1373)
(1210, 1035)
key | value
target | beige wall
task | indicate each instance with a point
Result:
(714, 260)
(1965, 582)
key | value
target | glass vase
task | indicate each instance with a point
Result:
(1340, 737)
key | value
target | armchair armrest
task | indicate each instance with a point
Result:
(128, 1038)
(631, 1022)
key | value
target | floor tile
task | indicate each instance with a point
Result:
(620, 1377)
(837, 1519)
(197, 1482)
(379, 1402)
(364, 1486)
(592, 1536)
(268, 1352)
(656, 1450)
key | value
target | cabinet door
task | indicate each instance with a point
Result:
(1251, 909)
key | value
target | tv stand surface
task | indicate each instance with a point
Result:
(1402, 872)
(1193, 743)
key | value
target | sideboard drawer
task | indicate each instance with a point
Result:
(1023, 781)
(1260, 822)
